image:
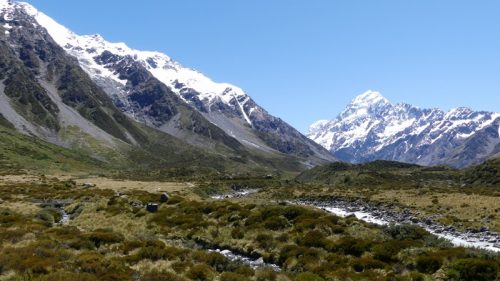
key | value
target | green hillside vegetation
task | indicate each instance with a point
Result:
(161, 157)
(379, 173)
(20, 152)
(487, 173)
(395, 174)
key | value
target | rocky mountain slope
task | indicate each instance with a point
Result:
(150, 87)
(372, 128)
(114, 108)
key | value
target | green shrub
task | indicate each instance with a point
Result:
(9, 218)
(253, 219)
(351, 246)
(91, 262)
(104, 236)
(406, 232)
(308, 276)
(200, 272)
(474, 269)
(46, 216)
(276, 223)
(291, 252)
(293, 212)
(231, 276)
(362, 264)
(264, 240)
(213, 259)
(68, 276)
(237, 233)
(157, 275)
(416, 276)
(80, 244)
(388, 250)
(266, 274)
(128, 246)
(244, 270)
(156, 250)
(180, 266)
(428, 264)
(313, 238)
(152, 253)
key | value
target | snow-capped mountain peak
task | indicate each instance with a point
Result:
(182, 80)
(366, 104)
(369, 98)
(371, 128)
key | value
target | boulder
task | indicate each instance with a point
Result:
(164, 197)
(152, 207)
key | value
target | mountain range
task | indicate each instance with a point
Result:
(108, 99)
(129, 108)
(372, 128)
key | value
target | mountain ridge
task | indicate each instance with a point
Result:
(226, 106)
(371, 128)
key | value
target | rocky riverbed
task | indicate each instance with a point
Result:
(235, 194)
(251, 259)
(480, 238)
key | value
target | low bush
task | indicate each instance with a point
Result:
(157, 275)
(350, 246)
(362, 264)
(388, 250)
(308, 276)
(231, 276)
(428, 264)
(213, 259)
(264, 240)
(474, 269)
(313, 238)
(104, 236)
(276, 223)
(237, 233)
(200, 272)
(406, 232)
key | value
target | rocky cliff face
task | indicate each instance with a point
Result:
(372, 128)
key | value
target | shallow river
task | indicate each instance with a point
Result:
(489, 241)
(485, 240)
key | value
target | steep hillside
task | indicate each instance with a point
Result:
(19, 152)
(45, 93)
(155, 90)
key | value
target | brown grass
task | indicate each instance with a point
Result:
(474, 210)
(180, 188)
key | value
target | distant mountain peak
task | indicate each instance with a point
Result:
(371, 128)
(369, 98)
(368, 103)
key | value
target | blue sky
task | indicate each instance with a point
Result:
(305, 60)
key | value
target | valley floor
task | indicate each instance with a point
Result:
(68, 227)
